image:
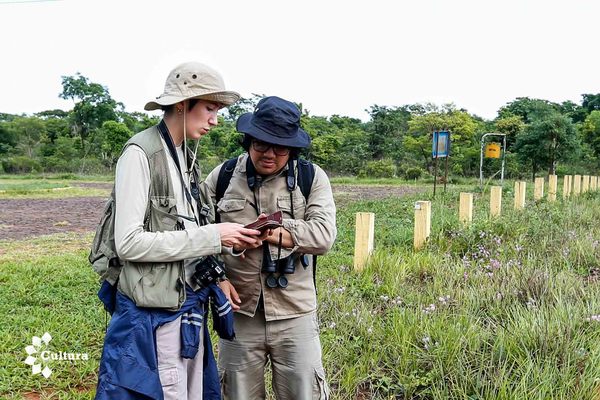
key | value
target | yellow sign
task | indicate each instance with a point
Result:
(492, 150)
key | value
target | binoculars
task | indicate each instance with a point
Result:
(283, 266)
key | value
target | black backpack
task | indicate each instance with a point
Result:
(306, 176)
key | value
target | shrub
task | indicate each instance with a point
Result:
(413, 173)
(383, 168)
(20, 164)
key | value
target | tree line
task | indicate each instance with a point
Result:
(542, 137)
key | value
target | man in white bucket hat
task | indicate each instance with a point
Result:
(156, 344)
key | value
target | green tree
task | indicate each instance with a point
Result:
(29, 131)
(93, 106)
(591, 102)
(8, 137)
(461, 125)
(138, 121)
(591, 132)
(549, 138)
(62, 155)
(574, 111)
(512, 126)
(526, 108)
(114, 136)
(386, 131)
(242, 106)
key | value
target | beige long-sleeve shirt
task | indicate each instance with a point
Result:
(313, 230)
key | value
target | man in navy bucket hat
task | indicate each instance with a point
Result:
(272, 287)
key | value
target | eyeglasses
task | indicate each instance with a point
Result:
(263, 147)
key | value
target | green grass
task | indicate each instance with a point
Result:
(15, 187)
(59, 176)
(46, 286)
(497, 310)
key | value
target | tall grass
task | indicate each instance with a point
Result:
(504, 309)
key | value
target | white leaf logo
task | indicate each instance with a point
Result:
(38, 344)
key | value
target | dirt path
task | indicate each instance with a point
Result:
(24, 218)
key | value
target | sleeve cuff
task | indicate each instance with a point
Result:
(230, 252)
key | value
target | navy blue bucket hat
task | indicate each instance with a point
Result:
(274, 121)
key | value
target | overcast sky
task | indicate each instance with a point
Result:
(336, 57)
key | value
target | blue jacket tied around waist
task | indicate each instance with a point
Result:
(129, 365)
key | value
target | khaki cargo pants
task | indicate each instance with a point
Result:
(292, 345)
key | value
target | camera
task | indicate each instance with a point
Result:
(207, 270)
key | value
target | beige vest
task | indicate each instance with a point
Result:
(155, 284)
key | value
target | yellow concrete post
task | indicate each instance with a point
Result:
(538, 191)
(585, 183)
(465, 209)
(364, 239)
(566, 187)
(495, 201)
(576, 185)
(552, 187)
(520, 190)
(422, 223)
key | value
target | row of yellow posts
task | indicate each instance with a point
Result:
(573, 185)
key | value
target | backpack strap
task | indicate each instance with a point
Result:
(306, 176)
(225, 174)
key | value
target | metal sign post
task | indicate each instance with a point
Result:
(440, 149)
(491, 154)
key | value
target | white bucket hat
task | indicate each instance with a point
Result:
(193, 80)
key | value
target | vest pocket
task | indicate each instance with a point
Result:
(155, 285)
(163, 215)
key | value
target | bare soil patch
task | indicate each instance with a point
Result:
(345, 193)
(26, 218)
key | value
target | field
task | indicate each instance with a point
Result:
(507, 308)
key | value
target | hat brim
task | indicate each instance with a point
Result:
(226, 98)
(245, 125)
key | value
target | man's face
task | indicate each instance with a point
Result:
(268, 159)
(201, 118)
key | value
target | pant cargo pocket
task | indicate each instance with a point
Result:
(169, 380)
(321, 389)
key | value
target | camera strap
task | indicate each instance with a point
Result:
(195, 192)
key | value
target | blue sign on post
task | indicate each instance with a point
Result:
(441, 144)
